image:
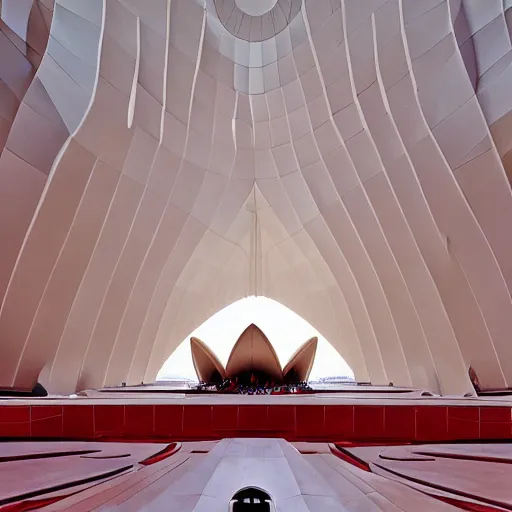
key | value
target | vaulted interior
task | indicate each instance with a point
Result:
(161, 160)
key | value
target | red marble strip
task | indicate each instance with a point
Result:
(331, 423)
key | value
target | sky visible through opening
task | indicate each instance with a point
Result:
(285, 329)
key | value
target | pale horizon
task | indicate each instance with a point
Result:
(285, 329)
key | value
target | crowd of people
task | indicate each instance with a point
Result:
(253, 387)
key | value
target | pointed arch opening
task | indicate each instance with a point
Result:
(289, 335)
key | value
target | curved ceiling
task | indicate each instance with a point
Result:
(349, 159)
(255, 8)
(256, 21)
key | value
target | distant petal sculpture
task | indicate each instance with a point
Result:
(253, 352)
(207, 365)
(300, 364)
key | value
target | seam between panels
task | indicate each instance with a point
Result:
(358, 347)
(180, 170)
(369, 135)
(303, 226)
(504, 14)
(159, 144)
(132, 99)
(166, 69)
(398, 203)
(498, 361)
(44, 193)
(476, 96)
(93, 97)
(365, 128)
(434, 140)
(374, 341)
(130, 229)
(426, 205)
(349, 157)
(414, 86)
(82, 280)
(212, 282)
(55, 264)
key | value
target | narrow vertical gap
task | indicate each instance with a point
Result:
(253, 249)
(256, 245)
(166, 70)
(133, 92)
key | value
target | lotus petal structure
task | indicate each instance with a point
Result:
(253, 352)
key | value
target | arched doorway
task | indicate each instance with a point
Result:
(285, 329)
(251, 499)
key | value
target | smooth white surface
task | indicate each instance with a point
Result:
(255, 7)
(15, 15)
(344, 158)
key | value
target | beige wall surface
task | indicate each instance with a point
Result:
(160, 160)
